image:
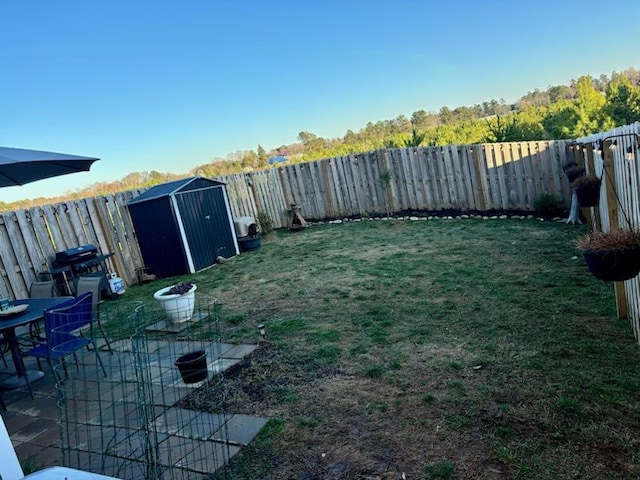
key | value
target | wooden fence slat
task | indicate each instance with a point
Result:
(22, 266)
(38, 261)
(360, 194)
(347, 181)
(63, 215)
(407, 180)
(59, 240)
(516, 183)
(480, 178)
(14, 284)
(530, 173)
(128, 241)
(468, 177)
(73, 216)
(433, 183)
(418, 178)
(458, 177)
(441, 177)
(377, 163)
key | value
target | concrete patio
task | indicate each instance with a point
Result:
(106, 425)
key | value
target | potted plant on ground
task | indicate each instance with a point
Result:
(612, 256)
(587, 190)
(178, 301)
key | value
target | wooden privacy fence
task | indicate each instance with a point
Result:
(483, 178)
(500, 176)
(30, 237)
(619, 198)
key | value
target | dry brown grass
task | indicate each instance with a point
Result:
(434, 349)
(616, 239)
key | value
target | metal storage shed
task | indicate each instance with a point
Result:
(183, 226)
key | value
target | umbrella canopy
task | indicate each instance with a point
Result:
(19, 166)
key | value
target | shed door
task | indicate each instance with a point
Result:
(207, 225)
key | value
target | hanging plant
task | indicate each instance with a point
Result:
(587, 190)
(612, 256)
(574, 172)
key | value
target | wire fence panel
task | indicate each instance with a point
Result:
(136, 423)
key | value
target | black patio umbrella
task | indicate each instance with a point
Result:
(19, 166)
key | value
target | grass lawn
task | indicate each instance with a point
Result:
(434, 349)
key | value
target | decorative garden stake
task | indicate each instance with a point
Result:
(296, 222)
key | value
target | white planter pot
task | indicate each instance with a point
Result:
(178, 308)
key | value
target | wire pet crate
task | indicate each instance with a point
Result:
(131, 424)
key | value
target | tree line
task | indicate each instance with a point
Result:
(584, 106)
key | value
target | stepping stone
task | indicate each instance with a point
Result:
(240, 351)
(242, 429)
(166, 326)
(208, 457)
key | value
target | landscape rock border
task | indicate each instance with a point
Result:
(414, 218)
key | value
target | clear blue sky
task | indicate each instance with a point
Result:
(167, 85)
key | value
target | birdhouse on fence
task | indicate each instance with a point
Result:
(183, 226)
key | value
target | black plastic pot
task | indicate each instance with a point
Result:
(193, 366)
(588, 195)
(249, 243)
(613, 265)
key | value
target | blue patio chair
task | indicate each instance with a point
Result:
(39, 290)
(62, 326)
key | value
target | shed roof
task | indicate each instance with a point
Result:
(171, 188)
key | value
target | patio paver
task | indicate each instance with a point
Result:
(100, 411)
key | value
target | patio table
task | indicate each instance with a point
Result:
(34, 312)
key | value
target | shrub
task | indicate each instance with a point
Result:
(265, 222)
(548, 205)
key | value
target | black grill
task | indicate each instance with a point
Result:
(75, 262)
(75, 255)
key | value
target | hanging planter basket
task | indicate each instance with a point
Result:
(612, 256)
(588, 191)
(613, 265)
(574, 172)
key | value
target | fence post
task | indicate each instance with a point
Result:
(612, 207)
(479, 174)
(595, 220)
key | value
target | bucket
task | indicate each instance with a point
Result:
(248, 244)
(193, 366)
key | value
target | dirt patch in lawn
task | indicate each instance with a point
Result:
(352, 427)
